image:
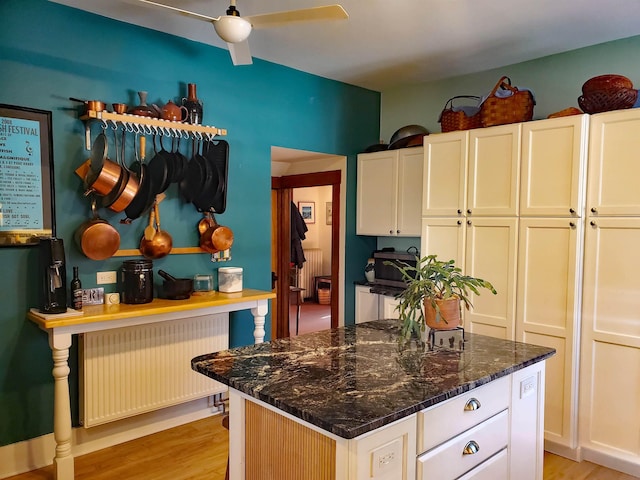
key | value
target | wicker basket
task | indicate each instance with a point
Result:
(605, 101)
(457, 118)
(324, 296)
(517, 107)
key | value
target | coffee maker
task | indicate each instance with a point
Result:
(53, 276)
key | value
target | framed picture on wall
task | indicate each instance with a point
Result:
(308, 211)
(329, 214)
(26, 176)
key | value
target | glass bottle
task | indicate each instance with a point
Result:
(193, 105)
(76, 290)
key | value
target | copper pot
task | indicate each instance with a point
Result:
(96, 238)
(104, 180)
(92, 105)
(130, 186)
(216, 238)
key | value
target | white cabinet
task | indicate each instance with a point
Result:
(445, 174)
(372, 306)
(472, 173)
(389, 190)
(366, 308)
(469, 208)
(548, 313)
(388, 306)
(610, 355)
(494, 171)
(491, 254)
(614, 168)
(491, 432)
(553, 167)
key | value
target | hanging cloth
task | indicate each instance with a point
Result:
(298, 233)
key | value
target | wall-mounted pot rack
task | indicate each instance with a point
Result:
(148, 126)
(152, 126)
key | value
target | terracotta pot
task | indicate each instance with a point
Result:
(448, 317)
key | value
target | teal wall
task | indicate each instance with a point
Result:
(556, 81)
(49, 53)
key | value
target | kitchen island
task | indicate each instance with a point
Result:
(355, 403)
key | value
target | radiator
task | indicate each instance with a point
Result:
(310, 269)
(133, 370)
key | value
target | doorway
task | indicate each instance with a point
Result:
(305, 286)
(310, 172)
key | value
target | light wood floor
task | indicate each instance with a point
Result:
(198, 451)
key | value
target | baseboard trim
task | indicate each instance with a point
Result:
(562, 450)
(611, 461)
(38, 452)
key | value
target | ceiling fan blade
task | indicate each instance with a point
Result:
(327, 12)
(181, 11)
(240, 54)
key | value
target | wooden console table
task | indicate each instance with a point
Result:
(60, 329)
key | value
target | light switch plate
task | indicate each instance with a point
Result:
(527, 387)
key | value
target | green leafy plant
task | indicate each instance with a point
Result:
(432, 279)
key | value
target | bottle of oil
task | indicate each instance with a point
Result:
(76, 290)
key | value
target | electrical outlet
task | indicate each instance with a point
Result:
(103, 278)
(387, 461)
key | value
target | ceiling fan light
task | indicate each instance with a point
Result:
(232, 29)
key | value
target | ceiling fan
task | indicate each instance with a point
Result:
(235, 30)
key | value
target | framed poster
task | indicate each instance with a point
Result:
(308, 211)
(27, 206)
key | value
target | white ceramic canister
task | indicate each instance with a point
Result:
(230, 279)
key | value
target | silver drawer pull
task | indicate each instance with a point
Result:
(471, 448)
(472, 404)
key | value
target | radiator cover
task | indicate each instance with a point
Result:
(133, 370)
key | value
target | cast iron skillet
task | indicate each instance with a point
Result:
(159, 168)
(144, 197)
(213, 193)
(195, 175)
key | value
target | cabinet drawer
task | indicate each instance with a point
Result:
(446, 420)
(496, 468)
(449, 460)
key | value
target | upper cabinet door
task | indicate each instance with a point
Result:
(614, 163)
(554, 154)
(377, 192)
(445, 173)
(494, 170)
(410, 166)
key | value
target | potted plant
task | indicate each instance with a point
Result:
(435, 293)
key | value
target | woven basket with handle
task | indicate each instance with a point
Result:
(517, 107)
(452, 119)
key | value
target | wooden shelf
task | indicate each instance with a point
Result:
(134, 252)
(149, 126)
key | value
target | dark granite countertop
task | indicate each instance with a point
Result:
(380, 289)
(355, 379)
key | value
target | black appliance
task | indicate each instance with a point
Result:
(53, 287)
(388, 274)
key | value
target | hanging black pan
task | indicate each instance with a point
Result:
(214, 151)
(194, 177)
(144, 197)
(220, 157)
(209, 185)
(159, 168)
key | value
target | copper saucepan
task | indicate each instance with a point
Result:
(119, 201)
(93, 105)
(96, 238)
(216, 238)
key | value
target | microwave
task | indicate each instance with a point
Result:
(387, 274)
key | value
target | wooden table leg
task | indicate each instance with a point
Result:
(63, 461)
